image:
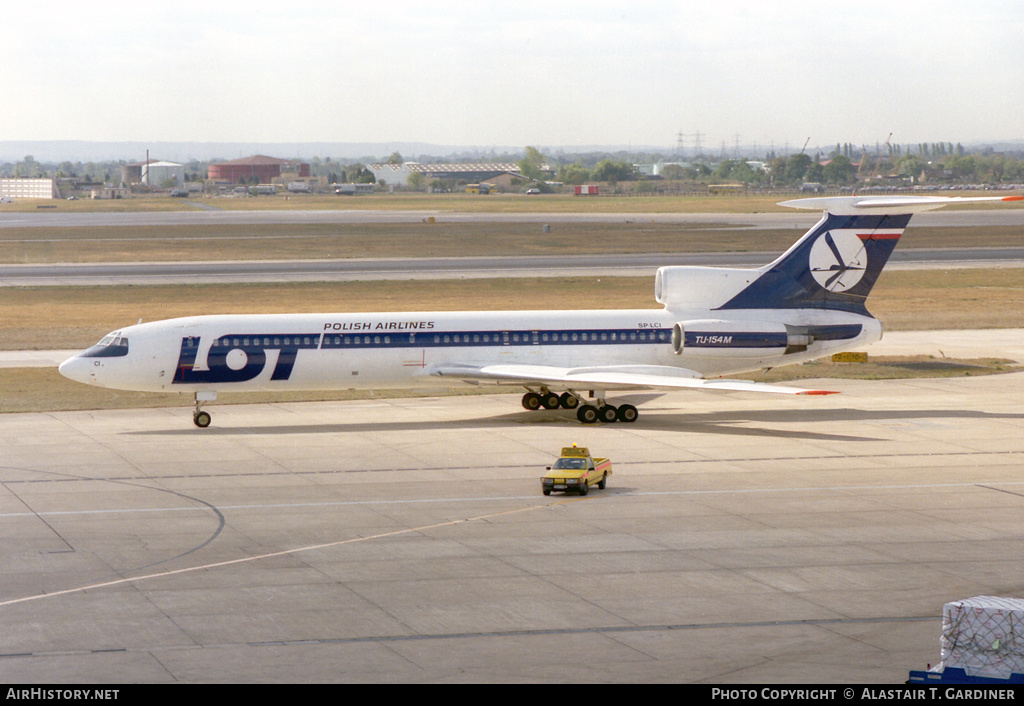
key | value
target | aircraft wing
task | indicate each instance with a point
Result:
(616, 377)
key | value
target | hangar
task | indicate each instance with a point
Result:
(400, 173)
(258, 168)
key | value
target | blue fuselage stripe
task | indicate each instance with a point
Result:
(454, 339)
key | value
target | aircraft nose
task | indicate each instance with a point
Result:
(75, 368)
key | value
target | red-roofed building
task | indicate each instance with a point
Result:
(259, 167)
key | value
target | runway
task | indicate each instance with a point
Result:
(740, 540)
(210, 214)
(361, 269)
(330, 270)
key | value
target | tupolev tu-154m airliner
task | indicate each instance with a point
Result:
(715, 321)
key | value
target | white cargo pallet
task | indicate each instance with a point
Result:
(984, 636)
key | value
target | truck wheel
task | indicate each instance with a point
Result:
(585, 488)
(603, 482)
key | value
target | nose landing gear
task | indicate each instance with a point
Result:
(200, 418)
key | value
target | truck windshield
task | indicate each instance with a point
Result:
(574, 464)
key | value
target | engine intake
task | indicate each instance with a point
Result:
(682, 287)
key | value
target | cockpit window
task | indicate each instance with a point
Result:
(113, 345)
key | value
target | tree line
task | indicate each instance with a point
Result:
(936, 163)
(845, 165)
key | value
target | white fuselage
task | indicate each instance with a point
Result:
(401, 350)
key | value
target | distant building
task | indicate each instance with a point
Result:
(158, 175)
(110, 192)
(259, 168)
(132, 173)
(28, 188)
(155, 174)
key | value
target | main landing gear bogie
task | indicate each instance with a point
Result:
(586, 413)
(533, 401)
(606, 414)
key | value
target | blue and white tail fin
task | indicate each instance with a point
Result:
(838, 261)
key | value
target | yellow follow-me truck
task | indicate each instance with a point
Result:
(576, 471)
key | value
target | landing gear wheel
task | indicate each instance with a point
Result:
(628, 413)
(200, 418)
(608, 414)
(531, 401)
(587, 414)
(568, 401)
(550, 401)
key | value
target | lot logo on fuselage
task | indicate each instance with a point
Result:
(838, 260)
(239, 358)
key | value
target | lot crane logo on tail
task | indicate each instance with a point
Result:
(838, 260)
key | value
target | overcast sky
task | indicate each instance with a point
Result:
(492, 73)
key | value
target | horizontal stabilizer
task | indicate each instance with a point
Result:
(853, 205)
(628, 377)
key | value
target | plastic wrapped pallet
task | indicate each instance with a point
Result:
(984, 636)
